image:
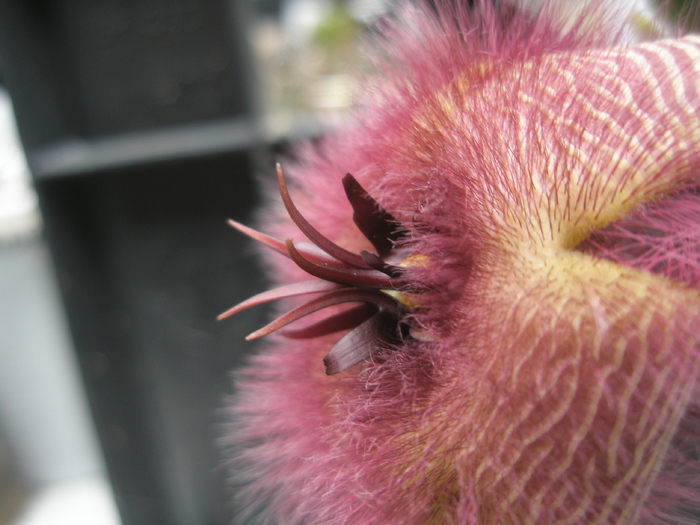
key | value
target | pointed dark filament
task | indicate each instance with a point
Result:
(268, 241)
(375, 223)
(344, 295)
(310, 251)
(349, 276)
(312, 233)
(344, 320)
(290, 290)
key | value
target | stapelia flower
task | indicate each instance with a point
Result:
(511, 329)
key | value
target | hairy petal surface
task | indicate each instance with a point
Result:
(545, 370)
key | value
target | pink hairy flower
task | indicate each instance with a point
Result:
(489, 286)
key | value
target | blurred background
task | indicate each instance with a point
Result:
(130, 130)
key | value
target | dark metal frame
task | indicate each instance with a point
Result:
(140, 124)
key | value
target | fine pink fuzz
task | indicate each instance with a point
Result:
(542, 356)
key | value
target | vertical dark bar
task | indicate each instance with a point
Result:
(138, 118)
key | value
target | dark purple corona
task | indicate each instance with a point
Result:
(366, 279)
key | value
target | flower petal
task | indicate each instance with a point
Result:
(360, 343)
(375, 223)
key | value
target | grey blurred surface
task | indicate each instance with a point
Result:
(51, 471)
(42, 406)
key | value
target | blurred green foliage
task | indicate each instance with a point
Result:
(336, 29)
